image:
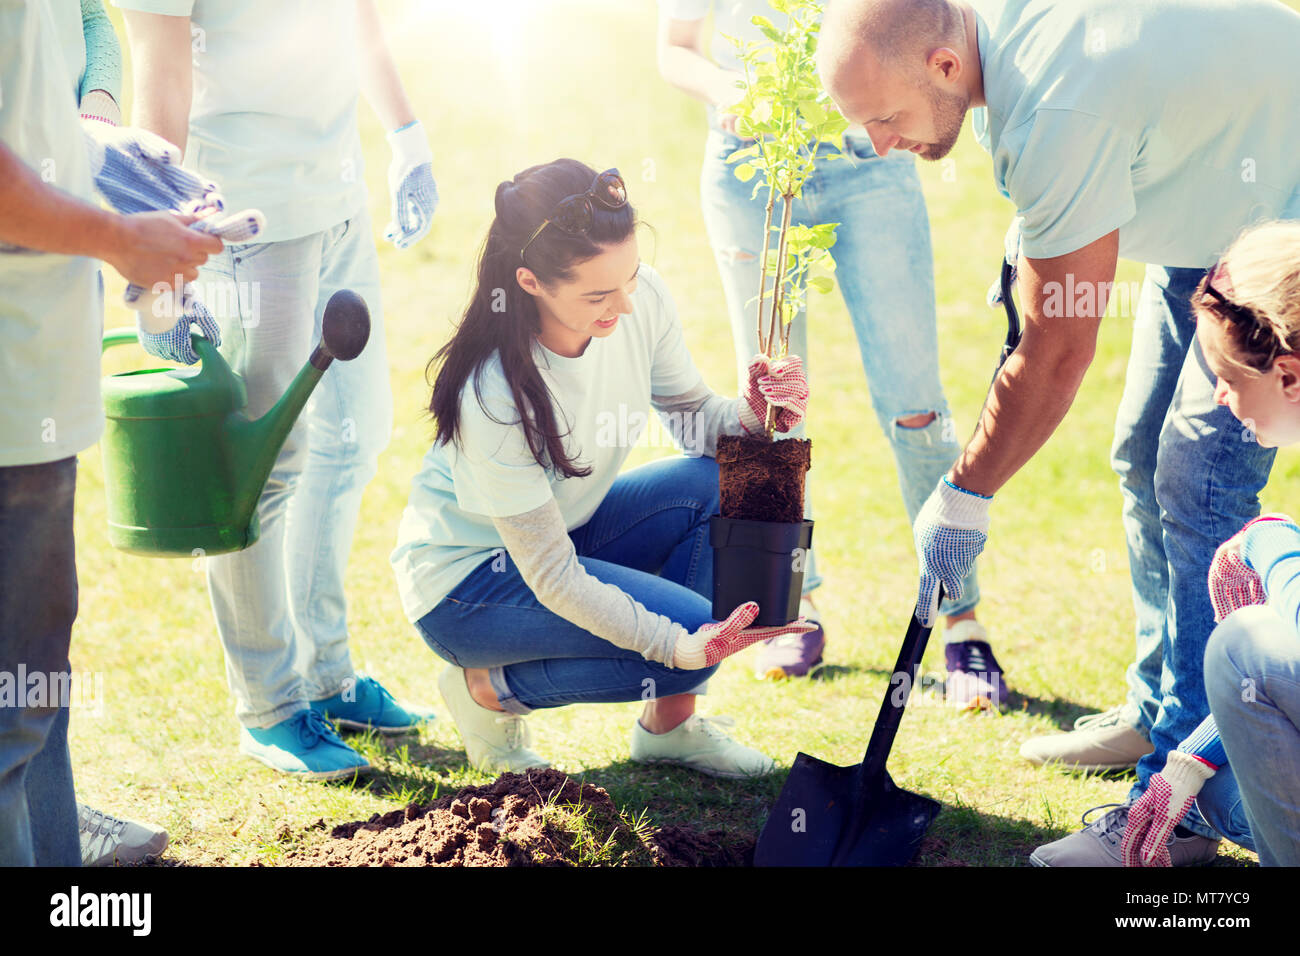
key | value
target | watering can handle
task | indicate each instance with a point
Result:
(122, 336)
(127, 336)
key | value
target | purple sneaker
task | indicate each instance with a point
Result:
(974, 674)
(792, 655)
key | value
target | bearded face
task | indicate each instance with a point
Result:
(949, 112)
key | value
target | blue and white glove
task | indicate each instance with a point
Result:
(410, 183)
(950, 531)
(173, 344)
(138, 171)
(234, 227)
(1011, 247)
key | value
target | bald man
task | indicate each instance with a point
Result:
(1151, 129)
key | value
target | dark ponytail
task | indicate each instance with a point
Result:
(502, 317)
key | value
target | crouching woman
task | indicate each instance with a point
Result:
(541, 574)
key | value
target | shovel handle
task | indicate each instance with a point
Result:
(901, 682)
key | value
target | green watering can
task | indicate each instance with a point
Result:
(184, 467)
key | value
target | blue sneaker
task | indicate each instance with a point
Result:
(364, 704)
(304, 745)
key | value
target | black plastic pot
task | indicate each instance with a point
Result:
(759, 561)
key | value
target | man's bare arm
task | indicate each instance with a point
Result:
(145, 248)
(164, 75)
(380, 83)
(1038, 383)
(684, 64)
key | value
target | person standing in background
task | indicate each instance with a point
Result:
(263, 97)
(885, 271)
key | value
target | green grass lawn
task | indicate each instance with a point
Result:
(581, 81)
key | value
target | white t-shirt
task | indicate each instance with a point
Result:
(1176, 122)
(446, 530)
(51, 310)
(273, 118)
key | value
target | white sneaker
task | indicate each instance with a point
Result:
(493, 740)
(106, 840)
(700, 744)
(1098, 742)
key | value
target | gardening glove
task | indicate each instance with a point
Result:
(950, 531)
(138, 171)
(1011, 249)
(777, 382)
(1233, 583)
(1152, 818)
(100, 105)
(173, 344)
(410, 182)
(713, 642)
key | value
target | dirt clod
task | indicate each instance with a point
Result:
(538, 818)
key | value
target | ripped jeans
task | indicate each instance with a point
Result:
(885, 271)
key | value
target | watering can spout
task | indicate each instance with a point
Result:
(345, 329)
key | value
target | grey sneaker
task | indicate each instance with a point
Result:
(1098, 742)
(106, 840)
(1099, 844)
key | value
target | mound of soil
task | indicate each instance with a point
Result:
(537, 818)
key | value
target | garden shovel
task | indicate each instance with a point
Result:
(828, 815)
(853, 816)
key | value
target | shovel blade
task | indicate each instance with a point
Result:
(827, 815)
(893, 822)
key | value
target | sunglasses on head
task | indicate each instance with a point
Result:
(1258, 338)
(574, 214)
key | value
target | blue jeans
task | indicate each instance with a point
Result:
(1190, 475)
(279, 605)
(649, 537)
(1252, 675)
(38, 603)
(885, 271)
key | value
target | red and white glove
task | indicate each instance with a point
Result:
(713, 642)
(1151, 820)
(1233, 583)
(777, 382)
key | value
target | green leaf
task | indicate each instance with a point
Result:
(822, 284)
(768, 30)
(745, 172)
(743, 153)
(813, 112)
(823, 236)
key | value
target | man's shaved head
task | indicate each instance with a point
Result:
(901, 68)
(896, 32)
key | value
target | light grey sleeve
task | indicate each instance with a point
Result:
(697, 417)
(541, 548)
